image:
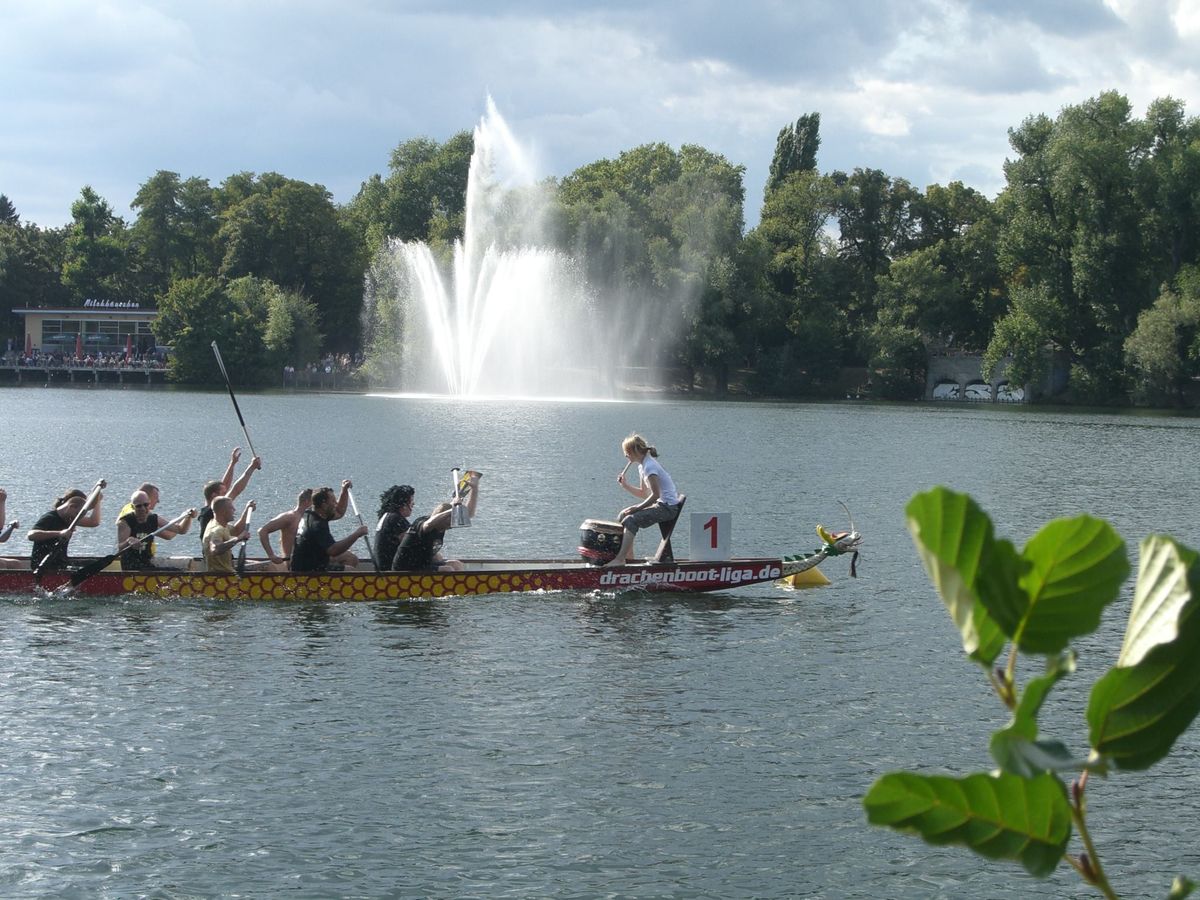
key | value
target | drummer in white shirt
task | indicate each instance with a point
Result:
(656, 489)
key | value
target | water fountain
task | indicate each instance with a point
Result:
(512, 316)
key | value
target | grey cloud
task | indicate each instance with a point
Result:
(1068, 18)
(1004, 63)
(324, 92)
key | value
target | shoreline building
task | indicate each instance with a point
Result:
(98, 326)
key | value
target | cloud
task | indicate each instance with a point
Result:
(107, 94)
(1060, 17)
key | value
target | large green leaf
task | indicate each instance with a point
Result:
(1076, 568)
(1160, 597)
(1142, 705)
(998, 816)
(953, 537)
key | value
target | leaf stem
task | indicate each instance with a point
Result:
(1094, 873)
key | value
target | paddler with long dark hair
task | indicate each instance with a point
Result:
(395, 506)
(51, 534)
(420, 548)
(656, 488)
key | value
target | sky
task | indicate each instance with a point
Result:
(108, 93)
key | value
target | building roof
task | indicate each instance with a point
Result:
(143, 313)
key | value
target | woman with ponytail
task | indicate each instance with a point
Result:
(655, 488)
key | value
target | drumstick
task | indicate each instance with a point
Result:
(625, 471)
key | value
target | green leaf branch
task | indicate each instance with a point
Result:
(1035, 602)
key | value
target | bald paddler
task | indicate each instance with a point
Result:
(132, 527)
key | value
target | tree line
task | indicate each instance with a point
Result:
(1087, 259)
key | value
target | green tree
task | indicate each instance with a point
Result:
(917, 293)
(1163, 352)
(875, 215)
(31, 263)
(155, 235)
(957, 231)
(1024, 336)
(198, 223)
(291, 335)
(898, 361)
(191, 315)
(289, 232)
(808, 281)
(795, 150)
(95, 263)
(8, 212)
(1169, 184)
(174, 235)
(1076, 225)
(657, 230)
(427, 181)
(793, 222)
(197, 311)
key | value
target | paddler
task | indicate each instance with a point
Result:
(395, 506)
(53, 531)
(220, 537)
(286, 523)
(420, 549)
(6, 532)
(224, 487)
(132, 527)
(315, 549)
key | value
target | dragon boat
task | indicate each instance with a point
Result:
(179, 578)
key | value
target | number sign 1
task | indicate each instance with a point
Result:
(711, 533)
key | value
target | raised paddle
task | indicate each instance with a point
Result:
(83, 573)
(367, 536)
(221, 365)
(91, 498)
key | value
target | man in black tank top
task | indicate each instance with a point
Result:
(315, 547)
(134, 526)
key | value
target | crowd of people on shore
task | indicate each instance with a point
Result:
(305, 541)
(332, 366)
(39, 359)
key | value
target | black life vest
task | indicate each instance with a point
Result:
(417, 549)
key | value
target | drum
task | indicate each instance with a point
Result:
(599, 541)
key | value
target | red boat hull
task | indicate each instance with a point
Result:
(480, 578)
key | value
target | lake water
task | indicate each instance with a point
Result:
(565, 745)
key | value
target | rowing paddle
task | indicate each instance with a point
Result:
(221, 365)
(367, 536)
(91, 498)
(241, 563)
(83, 573)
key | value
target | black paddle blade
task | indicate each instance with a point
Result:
(84, 572)
(53, 560)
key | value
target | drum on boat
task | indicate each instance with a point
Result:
(599, 540)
